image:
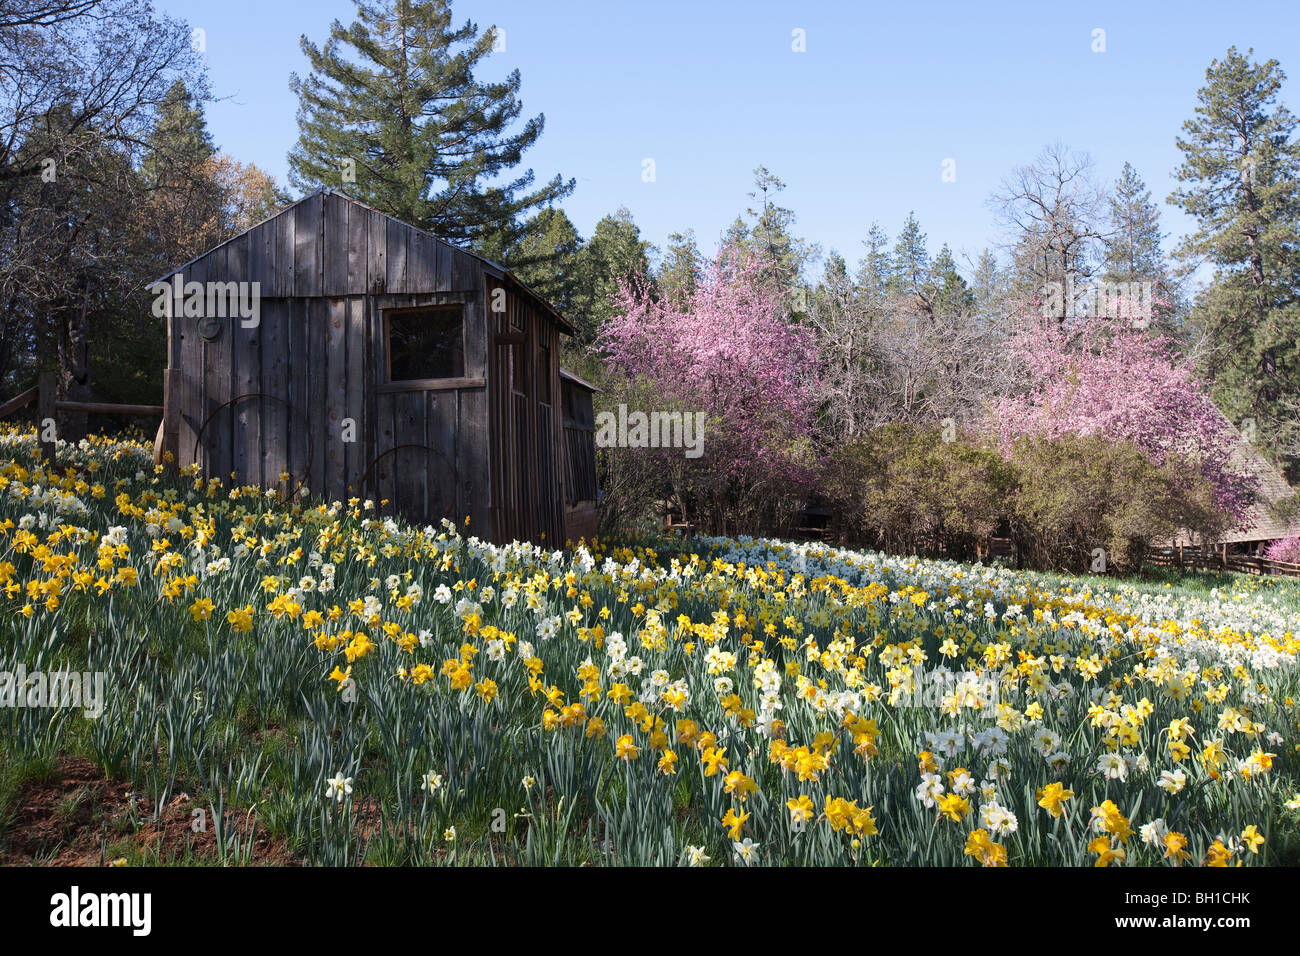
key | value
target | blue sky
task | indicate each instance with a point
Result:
(858, 126)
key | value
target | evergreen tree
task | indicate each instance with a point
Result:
(184, 198)
(770, 235)
(545, 258)
(679, 274)
(764, 229)
(836, 271)
(989, 285)
(393, 98)
(1241, 182)
(876, 267)
(910, 261)
(179, 139)
(1133, 252)
(614, 252)
(735, 242)
(946, 290)
(1132, 249)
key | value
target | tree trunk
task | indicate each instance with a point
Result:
(74, 368)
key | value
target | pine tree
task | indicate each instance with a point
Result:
(764, 230)
(1132, 250)
(545, 258)
(946, 290)
(876, 267)
(393, 114)
(836, 271)
(910, 261)
(770, 234)
(989, 285)
(184, 199)
(614, 252)
(679, 274)
(179, 139)
(1241, 176)
(1133, 255)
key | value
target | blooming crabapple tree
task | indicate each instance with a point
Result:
(1099, 376)
(728, 348)
(1285, 549)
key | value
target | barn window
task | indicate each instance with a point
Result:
(425, 344)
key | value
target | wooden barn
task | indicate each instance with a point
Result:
(374, 360)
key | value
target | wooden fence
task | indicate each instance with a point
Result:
(1197, 559)
(45, 397)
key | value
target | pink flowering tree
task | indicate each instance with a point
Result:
(1285, 549)
(729, 350)
(1114, 379)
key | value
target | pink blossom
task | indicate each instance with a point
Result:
(731, 351)
(1097, 376)
(1285, 549)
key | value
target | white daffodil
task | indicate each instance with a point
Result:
(695, 856)
(1172, 781)
(338, 788)
(746, 852)
(1113, 767)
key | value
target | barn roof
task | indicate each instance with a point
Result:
(568, 376)
(1267, 520)
(324, 193)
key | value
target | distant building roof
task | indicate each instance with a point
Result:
(1264, 522)
(1276, 512)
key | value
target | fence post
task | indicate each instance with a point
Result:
(47, 395)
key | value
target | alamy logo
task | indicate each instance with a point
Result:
(55, 690)
(1112, 300)
(76, 909)
(942, 689)
(651, 430)
(208, 300)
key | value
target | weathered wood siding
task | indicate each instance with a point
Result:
(579, 418)
(580, 482)
(527, 479)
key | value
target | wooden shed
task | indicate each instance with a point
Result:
(381, 363)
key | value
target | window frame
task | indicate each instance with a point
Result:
(390, 384)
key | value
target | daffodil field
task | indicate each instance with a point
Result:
(367, 692)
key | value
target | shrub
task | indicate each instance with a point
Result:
(1096, 377)
(1077, 494)
(906, 490)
